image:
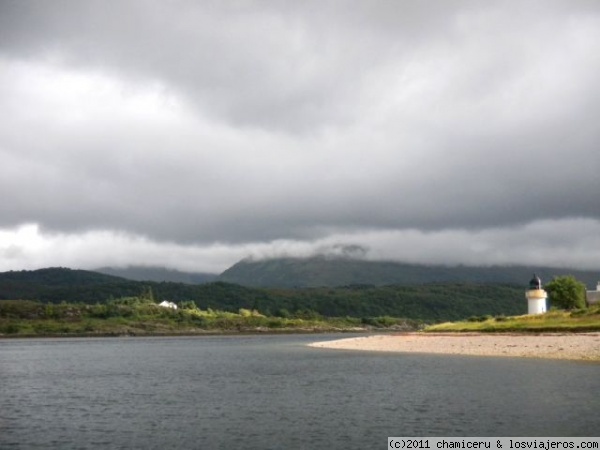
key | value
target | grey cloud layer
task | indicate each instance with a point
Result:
(233, 122)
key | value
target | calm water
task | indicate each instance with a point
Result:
(272, 392)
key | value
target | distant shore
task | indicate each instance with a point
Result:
(190, 333)
(572, 346)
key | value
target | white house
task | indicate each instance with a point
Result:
(593, 297)
(166, 304)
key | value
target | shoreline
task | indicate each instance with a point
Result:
(199, 333)
(568, 346)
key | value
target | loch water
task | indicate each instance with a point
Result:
(274, 392)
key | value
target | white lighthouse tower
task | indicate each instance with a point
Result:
(536, 297)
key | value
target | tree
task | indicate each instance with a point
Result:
(566, 292)
(147, 295)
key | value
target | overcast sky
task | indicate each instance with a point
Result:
(191, 134)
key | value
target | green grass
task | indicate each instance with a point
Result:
(139, 316)
(554, 321)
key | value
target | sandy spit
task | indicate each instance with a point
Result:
(575, 346)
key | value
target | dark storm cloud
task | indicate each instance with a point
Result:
(249, 65)
(237, 122)
(295, 65)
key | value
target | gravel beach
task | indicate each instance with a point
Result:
(574, 346)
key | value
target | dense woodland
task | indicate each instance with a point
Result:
(428, 302)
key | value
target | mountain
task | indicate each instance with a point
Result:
(56, 276)
(145, 273)
(323, 271)
(58, 284)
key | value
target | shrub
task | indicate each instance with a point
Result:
(566, 292)
(10, 328)
(479, 318)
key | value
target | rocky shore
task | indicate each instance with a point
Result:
(574, 346)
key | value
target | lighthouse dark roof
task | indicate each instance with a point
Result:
(535, 282)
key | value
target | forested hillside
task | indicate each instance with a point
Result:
(430, 302)
(141, 273)
(324, 271)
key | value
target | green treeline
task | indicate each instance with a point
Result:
(430, 302)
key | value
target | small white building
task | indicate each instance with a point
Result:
(536, 297)
(593, 297)
(166, 304)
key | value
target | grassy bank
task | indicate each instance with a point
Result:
(138, 317)
(583, 320)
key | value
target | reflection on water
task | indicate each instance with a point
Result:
(273, 392)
